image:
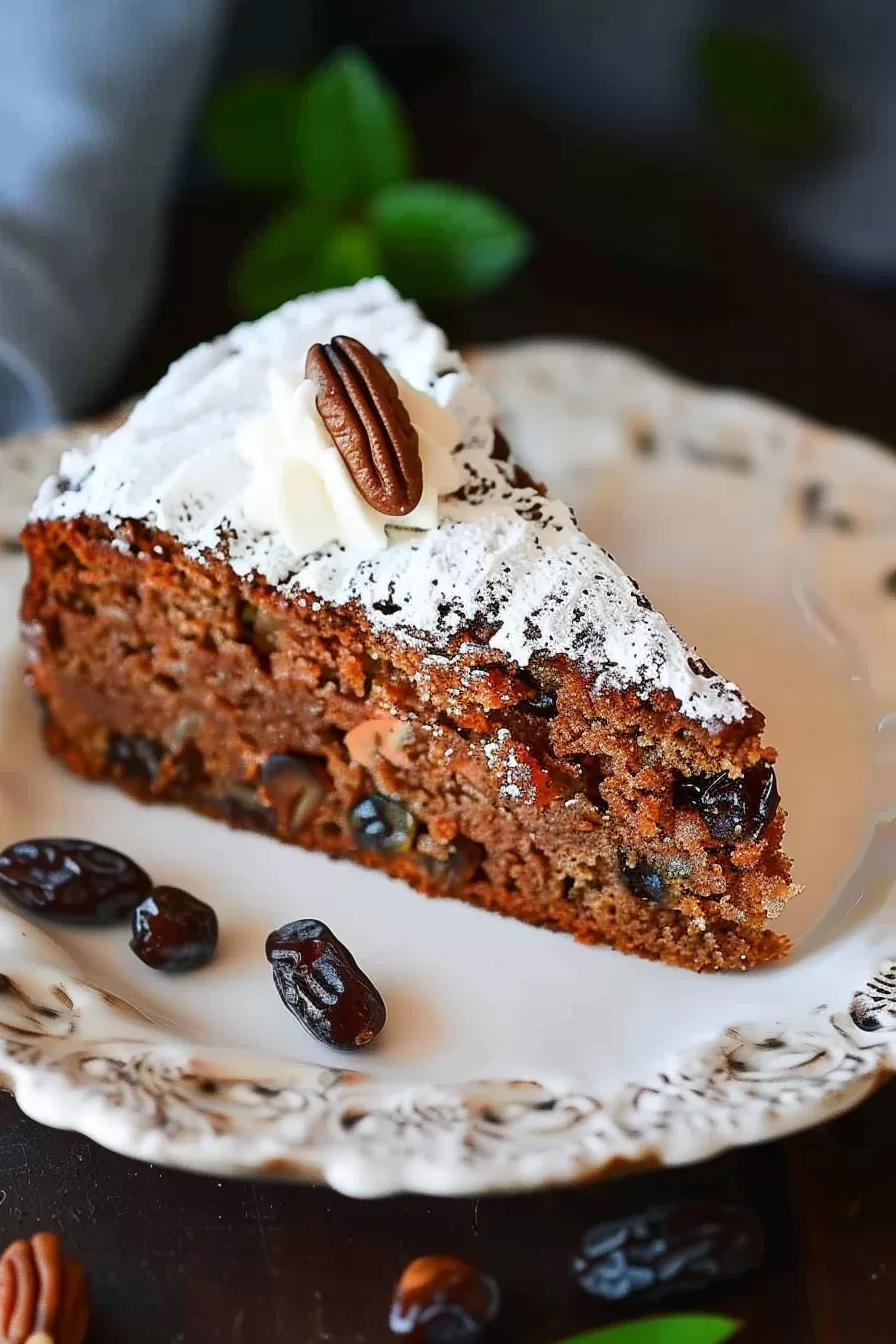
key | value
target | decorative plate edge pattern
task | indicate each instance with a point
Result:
(68, 1049)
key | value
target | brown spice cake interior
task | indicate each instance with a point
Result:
(612, 815)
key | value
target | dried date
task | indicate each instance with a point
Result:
(440, 1299)
(322, 985)
(668, 1250)
(74, 880)
(734, 808)
(174, 931)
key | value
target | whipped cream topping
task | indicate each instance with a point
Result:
(300, 488)
(500, 551)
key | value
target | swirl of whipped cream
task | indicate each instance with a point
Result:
(300, 488)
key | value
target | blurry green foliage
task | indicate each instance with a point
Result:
(350, 133)
(663, 1330)
(248, 131)
(340, 142)
(444, 241)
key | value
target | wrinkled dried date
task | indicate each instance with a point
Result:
(322, 985)
(75, 880)
(439, 1299)
(669, 1250)
(736, 809)
(174, 931)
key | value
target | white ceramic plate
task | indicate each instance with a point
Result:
(514, 1058)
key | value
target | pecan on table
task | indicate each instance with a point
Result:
(43, 1293)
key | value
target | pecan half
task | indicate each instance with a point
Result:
(42, 1293)
(359, 403)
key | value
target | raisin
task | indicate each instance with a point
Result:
(735, 809)
(136, 758)
(293, 786)
(382, 823)
(668, 1250)
(544, 704)
(642, 880)
(75, 880)
(174, 931)
(322, 985)
(440, 1299)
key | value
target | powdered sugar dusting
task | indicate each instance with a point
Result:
(516, 776)
(502, 553)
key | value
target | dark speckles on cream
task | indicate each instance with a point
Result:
(500, 548)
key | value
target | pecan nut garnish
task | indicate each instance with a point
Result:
(43, 1293)
(361, 407)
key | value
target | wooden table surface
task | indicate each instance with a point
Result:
(174, 1257)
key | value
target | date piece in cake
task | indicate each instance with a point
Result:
(306, 590)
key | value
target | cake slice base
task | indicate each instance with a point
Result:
(459, 774)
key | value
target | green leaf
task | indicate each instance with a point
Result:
(350, 132)
(304, 248)
(441, 241)
(351, 253)
(663, 1330)
(764, 95)
(249, 131)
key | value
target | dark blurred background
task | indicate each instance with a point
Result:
(712, 182)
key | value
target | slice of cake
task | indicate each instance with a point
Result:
(305, 589)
